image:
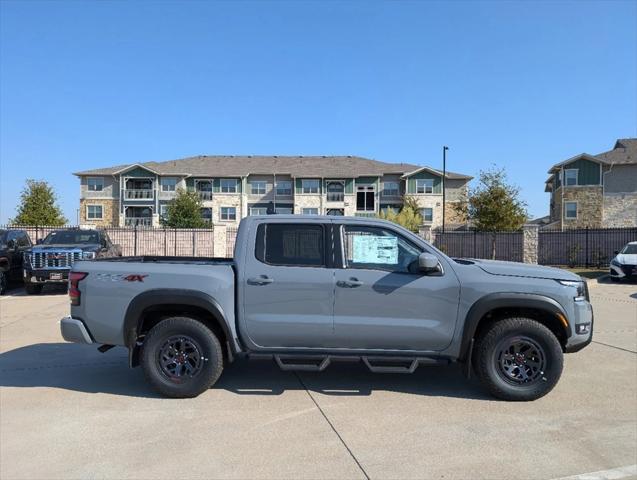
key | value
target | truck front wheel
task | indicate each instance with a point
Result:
(181, 357)
(518, 359)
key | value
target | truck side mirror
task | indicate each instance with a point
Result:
(427, 262)
(616, 252)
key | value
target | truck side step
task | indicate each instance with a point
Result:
(390, 365)
(307, 363)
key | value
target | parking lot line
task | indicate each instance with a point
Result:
(612, 474)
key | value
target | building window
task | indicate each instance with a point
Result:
(95, 184)
(168, 184)
(335, 191)
(310, 186)
(228, 213)
(427, 214)
(335, 212)
(424, 185)
(283, 210)
(284, 187)
(310, 211)
(163, 211)
(365, 196)
(257, 187)
(390, 189)
(206, 214)
(228, 185)
(389, 208)
(94, 212)
(258, 210)
(570, 210)
(570, 177)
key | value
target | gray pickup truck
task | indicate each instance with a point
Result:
(307, 291)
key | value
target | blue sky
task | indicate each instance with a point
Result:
(519, 84)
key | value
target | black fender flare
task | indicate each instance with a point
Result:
(505, 300)
(171, 296)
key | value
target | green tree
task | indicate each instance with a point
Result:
(184, 211)
(38, 205)
(409, 215)
(494, 205)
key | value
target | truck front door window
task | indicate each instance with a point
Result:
(375, 248)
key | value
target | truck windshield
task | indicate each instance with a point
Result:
(71, 237)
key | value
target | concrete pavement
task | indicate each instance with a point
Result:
(68, 411)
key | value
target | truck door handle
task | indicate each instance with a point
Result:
(351, 283)
(261, 280)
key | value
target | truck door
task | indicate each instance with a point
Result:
(288, 286)
(381, 299)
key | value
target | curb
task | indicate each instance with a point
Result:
(591, 282)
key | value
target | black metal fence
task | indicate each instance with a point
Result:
(474, 244)
(587, 247)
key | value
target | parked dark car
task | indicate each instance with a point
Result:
(51, 259)
(13, 244)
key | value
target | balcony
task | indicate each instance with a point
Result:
(335, 196)
(365, 214)
(138, 221)
(139, 194)
(204, 194)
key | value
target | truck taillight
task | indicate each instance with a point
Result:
(74, 290)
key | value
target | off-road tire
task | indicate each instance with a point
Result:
(33, 288)
(205, 343)
(489, 355)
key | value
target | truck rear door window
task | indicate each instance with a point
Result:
(288, 244)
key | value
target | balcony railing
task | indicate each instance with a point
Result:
(335, 196)
(365, 214)
(138, 221)
(139, 194)
(205, 195)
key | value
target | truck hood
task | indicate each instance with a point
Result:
(85, 247)
(515, 269)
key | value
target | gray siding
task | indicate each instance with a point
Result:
(621, 179)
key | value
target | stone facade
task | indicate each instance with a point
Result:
(110, 213)
(589, 207)
(620, 210)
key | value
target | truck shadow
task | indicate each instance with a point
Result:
(83, 369)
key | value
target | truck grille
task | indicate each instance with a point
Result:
(54, 259)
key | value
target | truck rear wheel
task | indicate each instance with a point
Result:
(518, 359)
(181, 357)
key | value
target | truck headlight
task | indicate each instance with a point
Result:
(88, 255)
(615, 262)
(579, 286)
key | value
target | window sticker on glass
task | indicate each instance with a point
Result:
(373, 249)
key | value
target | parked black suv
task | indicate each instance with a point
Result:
(51, 259)
(13, 244)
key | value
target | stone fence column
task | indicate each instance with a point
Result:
(424, 231)
(530, 243)
(220, 238)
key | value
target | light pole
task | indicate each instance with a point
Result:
(444, 175)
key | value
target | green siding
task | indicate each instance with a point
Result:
(349, 185)
(138, 172)
(216, 185)
(411, 181)
(366, 180)
(588, 172)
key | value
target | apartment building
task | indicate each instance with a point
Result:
(232, 187)
(595, 190)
